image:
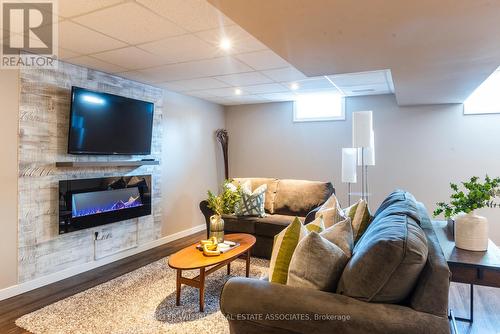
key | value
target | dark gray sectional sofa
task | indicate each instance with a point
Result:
(285, 199)
(414, 286)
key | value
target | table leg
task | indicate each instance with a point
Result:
(202, 289)
(229, 268)
(178, 288)
(471, 309)
(248, 263)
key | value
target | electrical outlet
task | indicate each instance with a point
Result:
(102, 235)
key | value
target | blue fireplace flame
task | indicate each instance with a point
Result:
(91, 203)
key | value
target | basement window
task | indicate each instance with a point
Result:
(485, 99)
(324, 106)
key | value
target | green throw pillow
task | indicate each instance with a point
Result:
(360, 218)
(284, 246)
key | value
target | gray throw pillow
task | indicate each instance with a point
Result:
(341, 235)
(316, 263)
(386, 261)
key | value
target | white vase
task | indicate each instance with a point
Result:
(471, 232)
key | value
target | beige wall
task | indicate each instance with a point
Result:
(192, 159)
(419, 148)
(9, 97)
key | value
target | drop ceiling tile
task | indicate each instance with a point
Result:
(312, 84)
(244, 79)
(69, 8)
(263, 60)
(218, 100)
(241, 41)
(196, 69)
(131, 23)
(225, 92)
(247, 99)
(194, 84)
(137, 76)
(181, 49)
(265, 88)
(96, 64)
(192, 15)
(131, 58)
(279, 96)
(284, 74)
(82, 40)
(199, 93)
(66, 54)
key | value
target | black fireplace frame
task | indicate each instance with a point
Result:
(68, 223)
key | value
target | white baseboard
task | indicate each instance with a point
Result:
(63, 274)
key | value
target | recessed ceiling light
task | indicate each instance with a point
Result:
(225, 44)
(237, 91)
(294, 86)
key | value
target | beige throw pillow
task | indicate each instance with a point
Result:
(341, 235)
(316, 263)
(319, 259)
(331, 211)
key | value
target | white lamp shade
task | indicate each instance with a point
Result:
(362, 127)
(349, 165)
(369, 153)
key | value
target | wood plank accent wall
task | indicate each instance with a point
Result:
(43, 128)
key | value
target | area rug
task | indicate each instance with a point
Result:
(142, 301)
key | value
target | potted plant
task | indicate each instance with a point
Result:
(471, 230)
(223, 203)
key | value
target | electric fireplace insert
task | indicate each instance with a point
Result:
(86, 203)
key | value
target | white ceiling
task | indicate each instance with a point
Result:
(438, 51)
(174, 44)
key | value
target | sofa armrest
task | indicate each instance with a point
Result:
(207, 212)
(251, 304)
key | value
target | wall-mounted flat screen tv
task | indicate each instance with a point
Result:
(102, 123)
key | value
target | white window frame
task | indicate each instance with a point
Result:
(320, 119)
(493, 107)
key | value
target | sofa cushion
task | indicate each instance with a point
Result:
(298, 197)
(316, 263)
(398, 202)
(271, 225)
(272, 185)
(234, 224)
(425, 220)
(386, 262)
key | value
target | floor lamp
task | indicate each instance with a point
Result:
(349, 156)
(362, 129)
(367, 156)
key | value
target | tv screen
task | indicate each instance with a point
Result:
(102, 123)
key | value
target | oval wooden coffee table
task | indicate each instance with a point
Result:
(190, 258)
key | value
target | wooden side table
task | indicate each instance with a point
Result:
(190, 258)
(473, 268)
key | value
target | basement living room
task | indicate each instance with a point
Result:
(250, 166)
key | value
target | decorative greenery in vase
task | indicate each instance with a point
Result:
(477, 195)
(225, 202)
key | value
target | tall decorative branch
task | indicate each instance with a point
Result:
(223, 139)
